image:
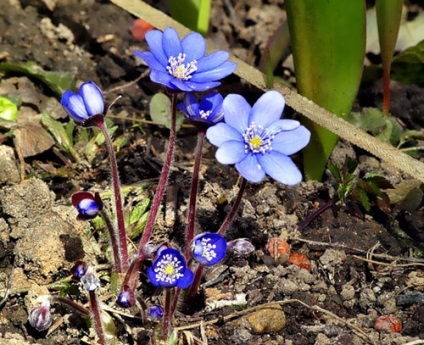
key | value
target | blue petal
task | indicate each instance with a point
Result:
(283, 125)
(191, 107)
(236, 112)
(93, 98)
(289, 142)
(74, 106)
(221, 133)
(199, 251)
(154, 40)
(177, 84)
(231, 152)
(196, 86)
(213, 102)
(163, 78)
(250, 169)
(280, 167)
(216, 73)
(212, 61)
(151, 61)
(194, 46)
(171, 43)
(151, 274)
(267, 109)
(185, 281)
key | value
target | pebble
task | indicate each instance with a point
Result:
(267, 320)
(366, 298)
(9, 172)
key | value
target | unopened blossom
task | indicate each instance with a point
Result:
(183, 65)
(206, 113)
(40, 318)
(87, 204)
(86, 103)
(257, 140)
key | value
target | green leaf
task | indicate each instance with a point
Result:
(334, 170)
(193, 14)
(8, 110)
(160, 111)
(363, 198)
(408, 66)
(139, 210)
(60, 134)
(328, 70)
(58, 82)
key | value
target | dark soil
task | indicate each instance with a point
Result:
(363, 264)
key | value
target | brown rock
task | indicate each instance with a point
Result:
(267, 320)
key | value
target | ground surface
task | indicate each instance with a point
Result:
(362, 265)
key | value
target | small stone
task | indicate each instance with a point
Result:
(9, 172)
(267, 320)
(348, 292)
(367, 298)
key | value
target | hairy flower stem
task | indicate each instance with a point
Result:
(193, 193)
(120, 246)
(192, 291)
(97, 317)
(168, 314)
(302, 225)
(233, 211)
(132, 275)
(113, 240)
(157, 199)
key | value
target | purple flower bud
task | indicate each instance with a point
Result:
(204, 114)
(209, 248)
(241, 246)
(155, 312)
(126, 297)
(78, 270)
(90, 281)
(40, 317)
(87, 103)
(87, 204)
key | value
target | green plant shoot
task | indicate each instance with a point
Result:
(194, 14)
(328, 45)
(388, 20)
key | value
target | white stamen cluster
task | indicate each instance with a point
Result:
(257, 139)
(166, 262)
(205, 114)
(178, 69)
(208, 249)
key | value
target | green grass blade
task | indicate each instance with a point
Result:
(192, 13)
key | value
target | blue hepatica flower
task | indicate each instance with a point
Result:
(87, 204)
(84, 104)
(209, 248)
(257, 141)
(170, 269)
(182, 64)
(207, 113)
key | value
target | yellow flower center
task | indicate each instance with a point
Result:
(169, 269)
(255, 142)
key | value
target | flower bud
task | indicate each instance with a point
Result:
(40, 317)
(126, 297)
(90, 281)
(79, 270)
(155, 312)
(241, 246)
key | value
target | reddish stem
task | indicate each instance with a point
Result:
(193, 192)
(386, 89)
(97, 317)
(168, 314)
(120, 245)
(157, 199)
(233, 211)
